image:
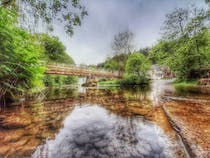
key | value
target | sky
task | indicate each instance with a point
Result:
(91, 42)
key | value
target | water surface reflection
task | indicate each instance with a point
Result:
(96, 122)
(91, 131)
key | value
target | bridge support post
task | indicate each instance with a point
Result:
(90, 78)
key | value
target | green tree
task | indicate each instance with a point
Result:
(67, 12)
(144, 51)
(137, 67)
(70, 80)
(191, 56)
(54, 50)
(111, 65)
(59, 80)
(137, 64)
(185, 50)
(19, 57)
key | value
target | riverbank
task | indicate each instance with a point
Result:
(191, 87)
(109, 82)
(124, 83)
(191, 121)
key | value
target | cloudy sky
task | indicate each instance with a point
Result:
(91, 43)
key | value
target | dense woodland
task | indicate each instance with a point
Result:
(23, 56)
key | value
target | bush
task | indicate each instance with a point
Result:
(134, 80)
(70, 80)
(19, 57)
(137, 66)
(54, 50)
(59, 80)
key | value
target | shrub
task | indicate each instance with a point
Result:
(19, 57)
(137, 66)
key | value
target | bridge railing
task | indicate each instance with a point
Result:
(84, 68)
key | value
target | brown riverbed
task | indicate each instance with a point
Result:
(192, 119)
(134, 119)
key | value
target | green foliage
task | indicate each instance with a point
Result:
(134, 80)
(134, 65)
(59, 80)
(186, 83)
(116, 63)
(68, 12)
(187, 46)
(54, 50)
(19, 57)
(70, 80)
(137, 66)
(109, 82)
(111, 65)
(144, 51)
(184, 87)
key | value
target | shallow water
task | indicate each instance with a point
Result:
(91, 131)
(71, 123)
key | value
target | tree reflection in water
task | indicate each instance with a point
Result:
(91, 131)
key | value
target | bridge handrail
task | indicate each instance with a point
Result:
(81, 67)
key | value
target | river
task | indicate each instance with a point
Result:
(108, 122)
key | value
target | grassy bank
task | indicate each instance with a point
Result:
(123, 82)
(189, 87)
(185, 83)
(109, 82)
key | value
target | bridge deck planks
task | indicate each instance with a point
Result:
(79, 71)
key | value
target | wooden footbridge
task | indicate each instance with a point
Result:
(83, 71)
